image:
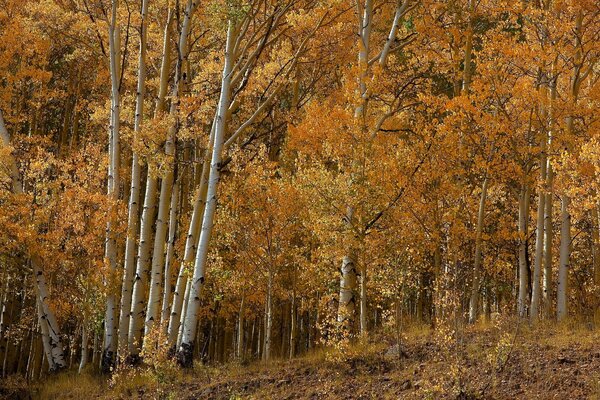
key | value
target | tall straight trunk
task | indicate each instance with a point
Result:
(134, 193)
(268, 319)
(240, 332)
(166, 187)
(110, 254)
(46, 345)
(293, 326)
(365, 15)
(173, 223)
(186, 297)
(158, 254)
(547, 278)
(565, 254)
(138, 302)
(189, 329)
(596, 244)
(539, 240)
(363, 301)
(95, 350)
(596, 258)
(84, 349)
(548, 236)
(347, 299)
(474, 300)
(191, 244)
(47, 319)
(523, 300)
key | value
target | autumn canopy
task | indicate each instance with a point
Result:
(251, 179)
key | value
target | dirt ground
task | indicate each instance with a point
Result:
(478, 363)
(483, 365)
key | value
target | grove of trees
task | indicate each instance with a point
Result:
(251, 179)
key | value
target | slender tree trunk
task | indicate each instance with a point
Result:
(46, 345)
(293, 324)
(191, 244)
(110, 325)
(539, 241)
(596, 243)
(268, 319)
(523, 300)
(186, 298)
(173, 223)
(240, 333)
(348, 283)
(474, 300)
(166, 188)
(134, 194)
(138, 306)
(84, 349)
(565, 254)
(189, 329)
(46, 315)
(363, 301)
(347, 302)
(138, 300)
(548, 235)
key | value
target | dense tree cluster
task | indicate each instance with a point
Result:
(251, 179)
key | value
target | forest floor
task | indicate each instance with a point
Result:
(483, 363)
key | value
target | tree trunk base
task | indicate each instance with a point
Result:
(185, 355)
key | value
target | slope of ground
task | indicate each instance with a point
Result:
(480, 363)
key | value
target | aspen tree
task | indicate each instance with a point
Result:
(47, 320)
(156, 274)
(139, 296)
(110, 323)
(474, 300)
(523, 296)
(239, 62)
(134, 191)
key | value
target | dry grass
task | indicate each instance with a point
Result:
(490, 361)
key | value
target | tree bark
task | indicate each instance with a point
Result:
(134, 194)
(189, 329)
(539, 240)
(110, 325)
(565, 254)
(474, 300)
(523, 300)
(548, 237)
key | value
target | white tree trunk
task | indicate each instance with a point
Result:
(173, 223)
(268, 318)
(347, 300)
(539, 242)
(134, 194)
(365, 19)
(363, 301)
(158, 256)
(110, 255)
(565, 254)
(84, 349)
(474, 300)
(47, 347)
(46, 315)
(522, 303)
(186, 301)
(191, 244)
(548, 237)
(191, 318)
(138, 306)
(138, 300)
